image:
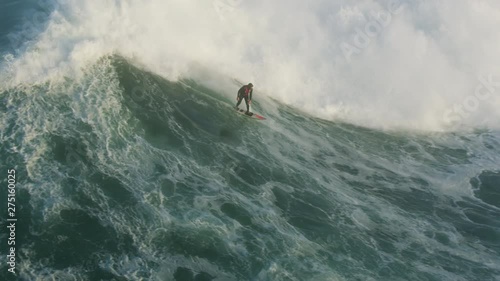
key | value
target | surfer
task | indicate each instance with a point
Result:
(245, 92)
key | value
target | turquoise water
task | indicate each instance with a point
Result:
(125, 175)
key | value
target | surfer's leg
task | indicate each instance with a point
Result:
(246, 102)
(238, 104)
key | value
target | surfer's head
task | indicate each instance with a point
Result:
(250, 85)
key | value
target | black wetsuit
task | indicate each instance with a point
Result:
(245, 92)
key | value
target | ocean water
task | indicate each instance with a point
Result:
(135, 166)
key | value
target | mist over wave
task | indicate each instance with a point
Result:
(385, 64)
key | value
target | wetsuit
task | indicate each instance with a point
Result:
(245, 92)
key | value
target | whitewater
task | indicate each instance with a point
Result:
(379, 158)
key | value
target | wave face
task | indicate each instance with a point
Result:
(133, 165)
(422, 65)
(124, 174)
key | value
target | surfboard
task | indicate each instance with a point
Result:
(251, 114)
